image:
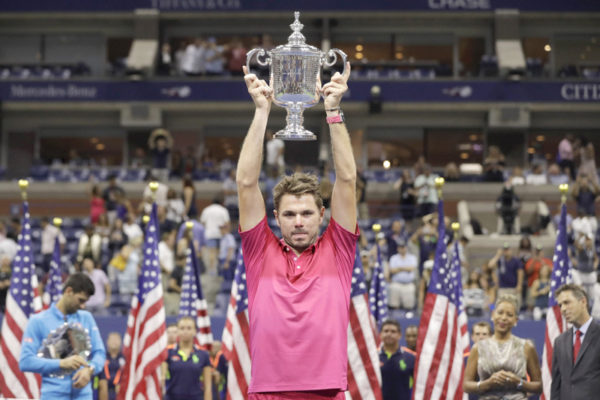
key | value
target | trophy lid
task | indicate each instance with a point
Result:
(296, 41)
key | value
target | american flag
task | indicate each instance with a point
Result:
(145, 343)
(22, 300)
(192, 303)
(443, 334)
(378, 292)
(364, 374)
(555, 323)
(53, 289)
(236, 336)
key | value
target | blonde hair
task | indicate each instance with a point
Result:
(508, 298)
(298, 184)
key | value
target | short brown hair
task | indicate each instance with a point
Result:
(298, 185)
(483, 324)
(392, 322)
(577, 291)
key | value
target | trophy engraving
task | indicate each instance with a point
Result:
(295, 68)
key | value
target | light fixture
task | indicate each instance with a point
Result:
(100, 147)
(399, 55)
(359, 56)
(548, 48)
(464, 156)
(387, 164)
(531, 150)
(94, 140)
(359, 47)
(540, 138)
(473, 137)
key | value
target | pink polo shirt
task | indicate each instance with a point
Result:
(298, 309)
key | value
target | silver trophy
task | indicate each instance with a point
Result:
(294, 72)
(67, 340)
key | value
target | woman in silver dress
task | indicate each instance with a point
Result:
(504, 366)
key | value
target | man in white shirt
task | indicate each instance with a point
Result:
(49, 235)
(8, 247)
(192, 63)
(426, 193)
(213, 217)
(403, 270)
(274, 157)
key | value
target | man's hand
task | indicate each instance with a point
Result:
(261, 93)
(82, 378)
(334, 90)
(72, 363)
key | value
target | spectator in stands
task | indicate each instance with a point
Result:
(175, 212)
(172, 333)
(165, 60)
(90, 245)
(160, 144)
(176, 164)
(566, 155)
(230, 197)
(8, 247)
(213, 217)
(227, 252)
(214, 58)
(403, 271)
(179, 57)
(475, 299)
(274, 160)
(491, 282)
(587, 160)
(481, 330)
(139, 160)
(517, 178)
(100, 300)
(381, 244)
(110, 195)
(193, 62)
(109, 378)
(124, 207)
(117, 238)
(507, 207)
(525, 249)
(451, 172)
(127, 275)
(540, 291)
(425, 279)
(13, 228)
(556, 176)
(585, 192)
(132, 229)
(510, 271)
(504, 365)
(166, 254)
(427, 197)
(397, 365)
(407, 195)
(96, 205)
(173, 294)
(189, 161)
(411, 334)
(583, 224)
(584, 260)
(537, 176)
(220, 368)
(236, 56)
(425, 237)
(396, 235)
(493, 165)
(5, 274)
(535, 264)
(49, 235)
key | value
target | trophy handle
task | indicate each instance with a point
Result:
(259, 53)
(331, 58)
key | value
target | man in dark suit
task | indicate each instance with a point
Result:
(576, 356)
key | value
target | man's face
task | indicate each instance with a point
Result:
(390, 335)
(479, 333)
(402, 250)
(114, 343)
(299, 220)
(411, 337)
(74, 302)
(570, 307)
(172, 332)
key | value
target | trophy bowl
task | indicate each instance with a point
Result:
(67, 340)
(294, 73)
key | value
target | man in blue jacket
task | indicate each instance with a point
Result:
(70, 377)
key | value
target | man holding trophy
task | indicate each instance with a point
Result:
(58, 341)
(298, 286)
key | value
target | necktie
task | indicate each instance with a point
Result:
(577, 345)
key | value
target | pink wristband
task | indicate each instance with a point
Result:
(335, 119)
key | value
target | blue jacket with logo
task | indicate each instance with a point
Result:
(38, 328)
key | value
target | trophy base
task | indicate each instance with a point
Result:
(298, 135)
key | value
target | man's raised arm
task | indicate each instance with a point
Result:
(251, 202)
(343, 198)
